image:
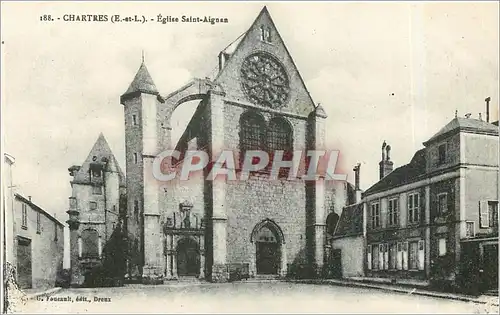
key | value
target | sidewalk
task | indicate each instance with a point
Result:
(416, 287)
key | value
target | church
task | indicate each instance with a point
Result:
(222, 229)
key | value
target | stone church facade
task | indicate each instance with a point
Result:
(214, 229)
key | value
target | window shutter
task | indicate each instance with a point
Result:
(369, 257)
(421, 255)
(399, 257)
(386, 256)
(483, 214)
(381, 256)
(79, 247)
(405, 256)
(421, 208)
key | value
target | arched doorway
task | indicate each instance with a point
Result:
(268, 239)
(188, 258)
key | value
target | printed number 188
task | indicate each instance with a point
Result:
(46, 17)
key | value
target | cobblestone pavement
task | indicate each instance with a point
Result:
(276, 297)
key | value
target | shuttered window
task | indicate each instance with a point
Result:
(488, 214)
(386, 256)
(375, 257)
(405, 256)
(413, 255)
(442, 246)
(421, 255)
(413, 208)
(375, 215)
(24, 216)
(369, 257)
(392, 256)
(399, 262)
(393, 212)
(381, 256)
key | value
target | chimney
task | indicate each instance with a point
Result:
(29, 198)
(357, 192)
(383, 150)
(487, 100)
(386, 165)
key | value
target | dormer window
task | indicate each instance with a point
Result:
(442, 154)
(265, 33)
(96, 173)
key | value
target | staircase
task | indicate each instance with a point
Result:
(186, 280)
(263, 278)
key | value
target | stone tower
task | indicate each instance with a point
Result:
(94, 207)
(140, 103)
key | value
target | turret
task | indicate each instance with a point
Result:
(141, 108)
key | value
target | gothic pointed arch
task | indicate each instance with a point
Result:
(280, 138)
(280, 134)
(270, 225)
(331, 222)
(252, 132)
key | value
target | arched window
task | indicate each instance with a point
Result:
(252, 133)
(280, 137)
(331, 223)
(90, 244)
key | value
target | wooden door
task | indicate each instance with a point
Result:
(24, 272)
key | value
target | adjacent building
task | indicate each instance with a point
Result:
(38, 245)
(98, 190)
(33, 240)
(436, 218)
(211, 229)
(347, 236)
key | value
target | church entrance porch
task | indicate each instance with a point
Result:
(269, 250)
(188, 258)
(184, 244)
(268, 257)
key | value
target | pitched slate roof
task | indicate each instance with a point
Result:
(351, 221)
(37, 208)
(142, 82)
(402, 175)
(100, 152)
(416, 168)
(467, 125)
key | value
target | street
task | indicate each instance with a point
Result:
(274, 297)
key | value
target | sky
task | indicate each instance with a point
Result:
(393, 71)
